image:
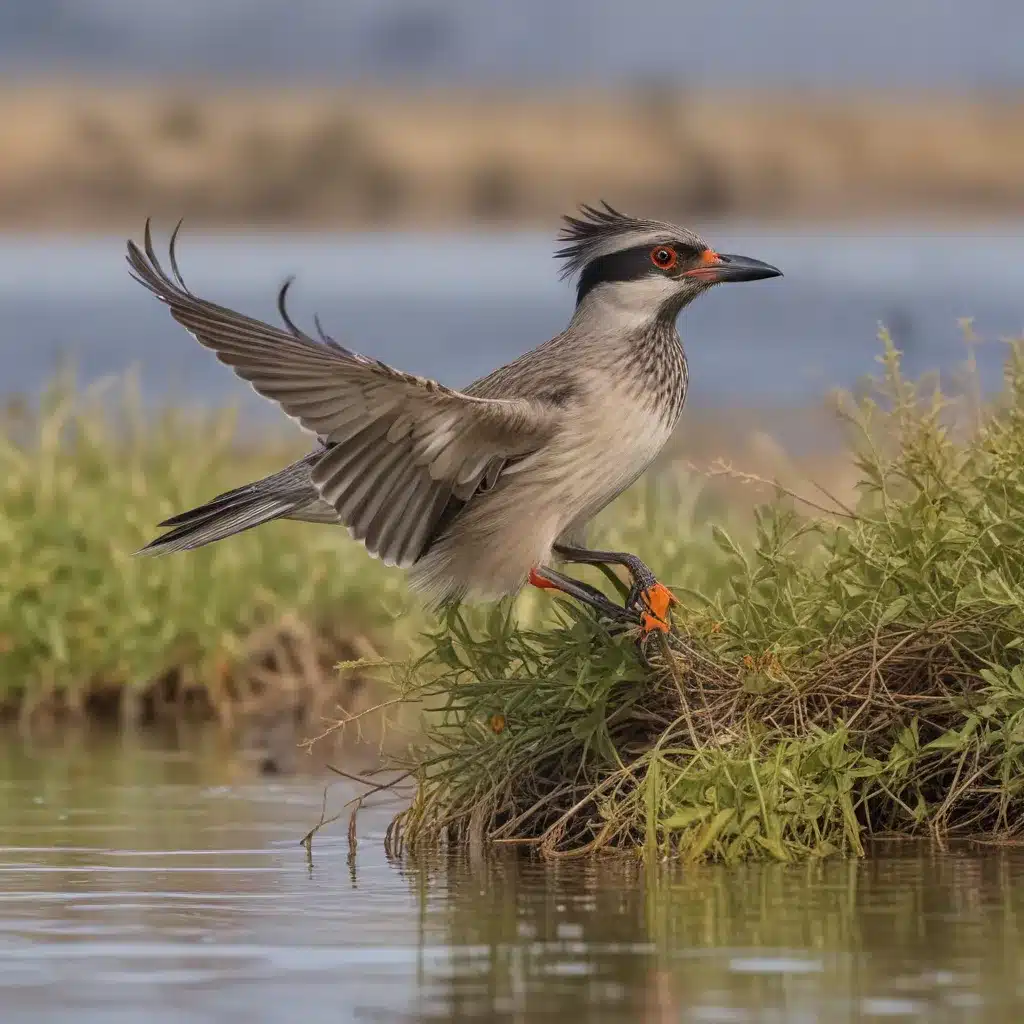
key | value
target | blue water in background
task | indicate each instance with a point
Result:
(455, 306)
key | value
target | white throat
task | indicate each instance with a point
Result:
(626, 307)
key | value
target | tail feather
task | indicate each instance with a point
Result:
(204, 526)
(286, 494)
(229, 499)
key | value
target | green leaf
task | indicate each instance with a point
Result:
(895, 609)
(721, 538)
(585, 728)
(951, 739)
(686, 817)
(709, 833)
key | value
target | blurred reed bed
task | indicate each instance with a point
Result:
(86, 627)
(81, 155)
(835, 676)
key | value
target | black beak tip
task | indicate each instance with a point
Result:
(743, 268)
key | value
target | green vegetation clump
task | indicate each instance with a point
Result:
(84, 479)
(832, 678)
(87, 628)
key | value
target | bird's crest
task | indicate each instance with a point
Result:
(598, 232)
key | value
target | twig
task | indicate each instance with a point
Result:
(307, 839)
(308, 744)
(721, 468)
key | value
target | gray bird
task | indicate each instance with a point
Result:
(475, 491)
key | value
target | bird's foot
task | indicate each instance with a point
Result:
(652, 602)
(648, 602)
(647, 606)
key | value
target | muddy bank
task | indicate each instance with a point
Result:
(90, 158)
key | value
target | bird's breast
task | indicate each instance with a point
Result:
(630, 433)
(606, 445)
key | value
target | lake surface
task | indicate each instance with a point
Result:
(145, 881)
(454, 307)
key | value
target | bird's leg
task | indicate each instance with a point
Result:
(548, 579)
(651, 598)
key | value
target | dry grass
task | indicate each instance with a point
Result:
(100, 157)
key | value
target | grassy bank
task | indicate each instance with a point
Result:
(253, 625)
(834, 677)
(103, 158)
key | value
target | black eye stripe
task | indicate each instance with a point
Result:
(629, 265)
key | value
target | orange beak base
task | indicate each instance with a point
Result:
(717, 268)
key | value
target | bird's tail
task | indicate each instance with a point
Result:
(274, 497)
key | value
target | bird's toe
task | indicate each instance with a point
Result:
(653, 604)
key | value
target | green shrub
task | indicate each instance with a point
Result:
(832, 678)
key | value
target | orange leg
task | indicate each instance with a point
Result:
(548, 579)
(536, 580)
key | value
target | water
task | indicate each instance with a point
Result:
(142, 881)
(454, 307)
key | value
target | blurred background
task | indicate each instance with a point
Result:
(408, 160)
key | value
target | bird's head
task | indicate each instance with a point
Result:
(645, 269)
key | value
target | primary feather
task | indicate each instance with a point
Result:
(397, 446)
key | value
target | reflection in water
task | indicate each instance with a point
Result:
(912, 933)
(143, 884)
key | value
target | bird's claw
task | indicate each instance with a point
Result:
(642, 644)
(652, 604)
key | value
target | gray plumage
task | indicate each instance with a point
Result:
(468, 489)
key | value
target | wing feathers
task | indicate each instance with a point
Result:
(364, 500)
(381, 533)
(416, 516)
(398, 449)
(426, 519)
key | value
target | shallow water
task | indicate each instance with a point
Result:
(143, 882)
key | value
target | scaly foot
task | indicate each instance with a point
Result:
(654, 603)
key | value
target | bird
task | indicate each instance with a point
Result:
(475, 492)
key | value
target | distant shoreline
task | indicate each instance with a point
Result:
(98, 158)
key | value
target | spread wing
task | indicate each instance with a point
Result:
(403, 453)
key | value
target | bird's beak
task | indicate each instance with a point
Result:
(718, 267)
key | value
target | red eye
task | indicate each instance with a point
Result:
(664, 257)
